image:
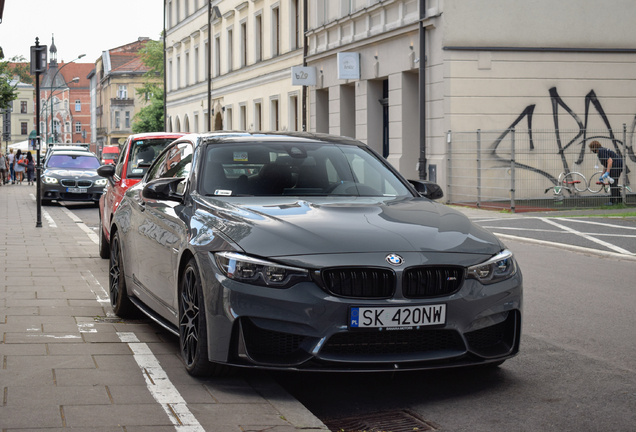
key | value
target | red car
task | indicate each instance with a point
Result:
(136, 155)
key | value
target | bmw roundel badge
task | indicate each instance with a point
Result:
(394, 259)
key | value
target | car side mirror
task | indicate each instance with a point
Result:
(107, 171)
(163, 189)
(427, 189)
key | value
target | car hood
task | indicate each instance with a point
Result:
(280, 226)
(64, 172)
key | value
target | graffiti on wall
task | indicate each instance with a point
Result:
(580, 140)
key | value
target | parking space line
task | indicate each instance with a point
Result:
(46, 215)
(159, 385)
(587, 237)
(599, 223)
(494, 228)
(91, 234)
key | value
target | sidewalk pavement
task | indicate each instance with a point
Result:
(68, 362)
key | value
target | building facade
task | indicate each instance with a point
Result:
(248, 49)
(22, 113)
(119, 72)
(65, 101)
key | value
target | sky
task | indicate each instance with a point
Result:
(80, 26)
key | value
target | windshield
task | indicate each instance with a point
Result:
(73, 162)
(298, 169)
(143, 153)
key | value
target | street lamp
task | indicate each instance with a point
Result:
(74, 80)
(53, 80)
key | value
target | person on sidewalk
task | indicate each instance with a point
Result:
(4, 168)
(11, 159)
(18, 167)
(30, 168)
(613, 166)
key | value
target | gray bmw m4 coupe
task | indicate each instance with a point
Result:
(308, 252)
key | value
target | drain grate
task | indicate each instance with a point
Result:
(390, 421)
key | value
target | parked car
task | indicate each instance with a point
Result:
(308, 252)
(137, 154)
(71, 175)
(63, 147)
(110, 154)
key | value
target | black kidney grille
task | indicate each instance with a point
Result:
(84, 183)
(269, 342)
(393, 342)
(360, 282)
(423, 282)
(68, 183)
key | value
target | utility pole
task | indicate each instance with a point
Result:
(38, 66)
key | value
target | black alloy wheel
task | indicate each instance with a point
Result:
(104, 249)
(119, 301)
(192, 326)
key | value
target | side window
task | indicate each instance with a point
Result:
(176, 162)
(120, 161)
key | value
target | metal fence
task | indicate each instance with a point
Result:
(524, 170)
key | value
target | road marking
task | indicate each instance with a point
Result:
(599, 223)
(556, 231)
(46, 215)
(587, 237)
(160, 387)
(102, 296)
(78, 221)
(572, 248)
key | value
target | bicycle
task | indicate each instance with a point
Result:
(596, 186)
(573, 183)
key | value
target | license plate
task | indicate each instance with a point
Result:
(406, 316)
(76, 190)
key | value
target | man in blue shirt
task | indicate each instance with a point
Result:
(613, 166)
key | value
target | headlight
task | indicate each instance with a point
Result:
(101, 182)
(498, 268)
(255, 271)
(49, 180)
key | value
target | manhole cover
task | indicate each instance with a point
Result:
(391, 421)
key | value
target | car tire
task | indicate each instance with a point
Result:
(104, 247)
(119, 300)
(193, 335)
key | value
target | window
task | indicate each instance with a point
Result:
(228, 119)
(196, 123)
(206, 60)
(230, 42)
(178, 84)
(196, 64)
(295, 25)
(257, 116)
(217, 56)
(170, 75)
(78, 127)
(176, 162)
(258, 37)
(117, 125)
(187, 68)
(67, 127)
(122, 92)
(242, 117)
(24, 129)
(65, 104)
(169, 13)
(244, 44)
(274, 115)
(178, 14)
(127, 119)
(78, 105)
(23, 107)
(187, 8)
(293, 113)
(275, 32)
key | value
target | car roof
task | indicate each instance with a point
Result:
(75, 153)
(227, 137)
(148, 135)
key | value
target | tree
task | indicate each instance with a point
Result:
(11, 69)
(150, 118)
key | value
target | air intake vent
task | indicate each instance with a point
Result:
(425, 282)
(360, 282)
(393, 342)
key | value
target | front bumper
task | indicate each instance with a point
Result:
(305, 327)
(59, 192)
